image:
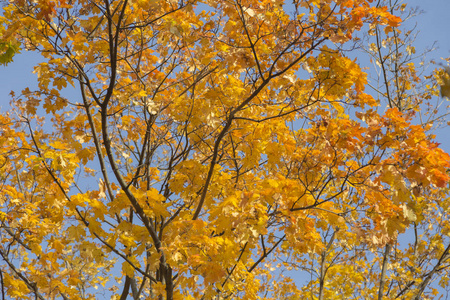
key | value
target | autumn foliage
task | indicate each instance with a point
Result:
(219, 149)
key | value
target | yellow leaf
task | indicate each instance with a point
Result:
(127, 269)
(445, 84)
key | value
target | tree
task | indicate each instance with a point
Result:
(202, 149)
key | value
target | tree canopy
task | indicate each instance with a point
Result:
(221, 149)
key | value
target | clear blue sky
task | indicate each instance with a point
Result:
(434, 26)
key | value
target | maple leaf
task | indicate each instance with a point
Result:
(445, 85)
(7, 50)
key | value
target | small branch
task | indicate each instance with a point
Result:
(3, 285)
(383, 271)
(31, 285)
(266, 254)
(323, 269)
(445, 255)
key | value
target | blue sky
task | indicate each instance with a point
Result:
(434, 25)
